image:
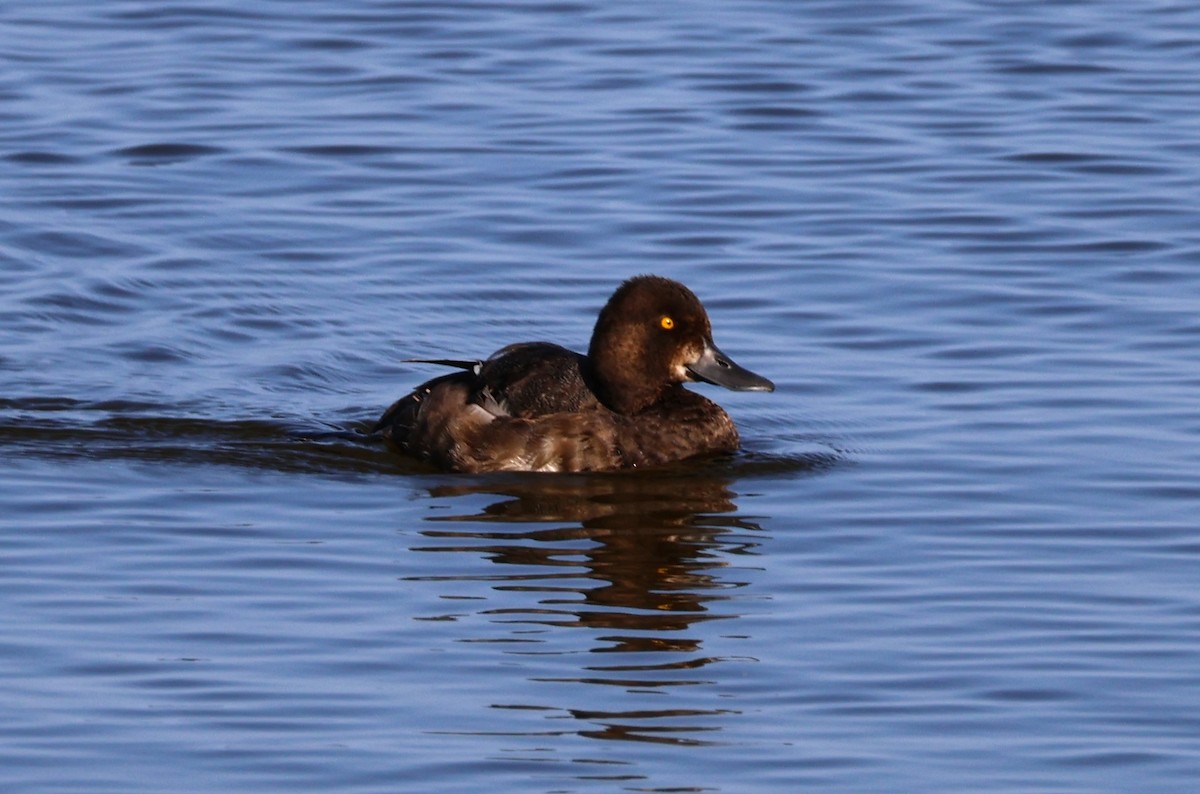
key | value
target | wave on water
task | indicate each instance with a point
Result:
(66, 428)
(72, 429)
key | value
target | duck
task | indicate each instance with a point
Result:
(540, 407)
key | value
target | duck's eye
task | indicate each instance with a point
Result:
(667, 322)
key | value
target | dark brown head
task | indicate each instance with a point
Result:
(651, 336)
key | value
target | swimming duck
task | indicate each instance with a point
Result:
(537, 406)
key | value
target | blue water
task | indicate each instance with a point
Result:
(959, 551)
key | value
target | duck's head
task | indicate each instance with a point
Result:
(654, 334)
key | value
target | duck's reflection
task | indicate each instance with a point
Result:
(637, 562)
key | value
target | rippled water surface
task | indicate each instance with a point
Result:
(959, 551)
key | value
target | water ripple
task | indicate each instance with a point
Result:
(962, 241)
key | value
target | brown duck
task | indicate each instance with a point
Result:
(536, 406)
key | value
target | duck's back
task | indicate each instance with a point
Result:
(533, 379)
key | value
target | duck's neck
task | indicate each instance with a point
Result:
(619, 389)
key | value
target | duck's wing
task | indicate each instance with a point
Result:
(527, 380)
(480, 418)
(534, 379)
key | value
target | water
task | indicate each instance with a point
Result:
(959, 551)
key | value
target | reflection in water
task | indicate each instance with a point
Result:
(644, 559)
(636, 560)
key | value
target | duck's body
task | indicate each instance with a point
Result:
(540, 407)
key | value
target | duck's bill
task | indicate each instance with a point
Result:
(715, 367)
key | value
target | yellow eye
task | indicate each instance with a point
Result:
(667, 323)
